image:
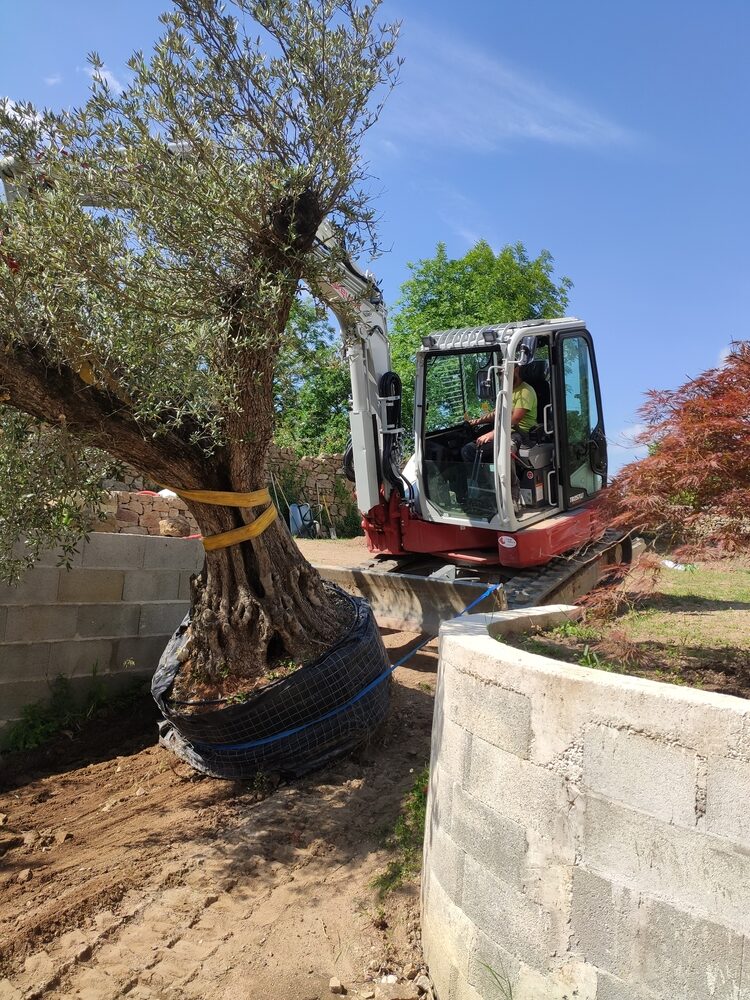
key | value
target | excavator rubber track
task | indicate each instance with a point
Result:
(418, 593)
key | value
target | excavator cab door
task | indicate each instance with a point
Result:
(581, 442)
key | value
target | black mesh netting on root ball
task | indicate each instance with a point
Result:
(290, 726)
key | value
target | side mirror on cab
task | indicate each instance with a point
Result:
(485, 385)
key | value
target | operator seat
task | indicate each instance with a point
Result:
(536, 374)
(536, 455)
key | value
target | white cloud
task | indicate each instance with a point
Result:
(469, 235)
(723, 356)
(455, 95)
(106, 75)
(52, 81)
(623, 447)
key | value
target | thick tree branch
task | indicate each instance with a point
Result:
(55, 393)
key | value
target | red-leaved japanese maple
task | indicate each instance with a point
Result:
(694, 486)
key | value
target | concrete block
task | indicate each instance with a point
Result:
(40, 622)
(447, 932)
(490, 963)
(744, 993)
(440, 799)
(565, 698)
(642, 940)
(161, 618)
(596, 913)
(499, 716)
(56, 557)
(528, 795)
(81, 657)
(108, 619)
(151, 585)
(486, 835)
(610, 988)
(451, 744)
(37, 586)
(20, 661)
(692, 869)
(113, 551)
(173, 553)
(90, 586)
(463, 990)
(641, 772)
(184, 593)
(446, 860)
(506, 916)
(15, 695)
(728, 800)
(145, 653)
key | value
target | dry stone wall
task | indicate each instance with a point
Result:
(588, 834)
(142, 514)
(315, 480)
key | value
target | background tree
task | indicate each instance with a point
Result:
(694, 486)
(149, 329)
(312, 385)
(479, 288)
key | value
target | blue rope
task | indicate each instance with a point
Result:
(341, 708)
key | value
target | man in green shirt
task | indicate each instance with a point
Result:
(522, 419)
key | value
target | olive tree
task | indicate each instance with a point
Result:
(147, 327)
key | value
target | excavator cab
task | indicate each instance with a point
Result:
(515, 479)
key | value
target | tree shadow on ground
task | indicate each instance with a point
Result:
(110, 733)
(687, 604)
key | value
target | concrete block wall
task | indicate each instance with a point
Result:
(588, 834)
(114, 610)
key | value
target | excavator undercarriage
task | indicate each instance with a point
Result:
(417, 593)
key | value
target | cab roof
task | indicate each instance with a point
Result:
(462, 338)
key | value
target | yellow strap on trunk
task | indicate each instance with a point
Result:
(217, 498)
(242, 534)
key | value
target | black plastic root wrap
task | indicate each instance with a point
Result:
(290, 726)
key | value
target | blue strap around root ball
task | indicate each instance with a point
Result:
(252, 744)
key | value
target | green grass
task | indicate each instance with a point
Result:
(731, 583)
(685, 628)
(407, 838)
(499, 982)
(576, 630)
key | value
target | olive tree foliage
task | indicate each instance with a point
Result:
(147, 327)
(482, 287)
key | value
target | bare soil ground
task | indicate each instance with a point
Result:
(123, 873)
(338, 552)
(684, 626)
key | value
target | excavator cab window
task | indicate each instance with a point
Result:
(583, 458)
(454, 391)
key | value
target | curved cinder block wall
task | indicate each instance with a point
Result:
(588, 834)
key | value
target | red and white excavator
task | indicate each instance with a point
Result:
(460, 511)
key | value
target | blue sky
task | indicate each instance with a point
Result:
(614, 135)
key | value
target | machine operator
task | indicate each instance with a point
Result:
(522, 419)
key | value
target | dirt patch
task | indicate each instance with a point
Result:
(335, 552)
(126, 873)
(685, 626)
